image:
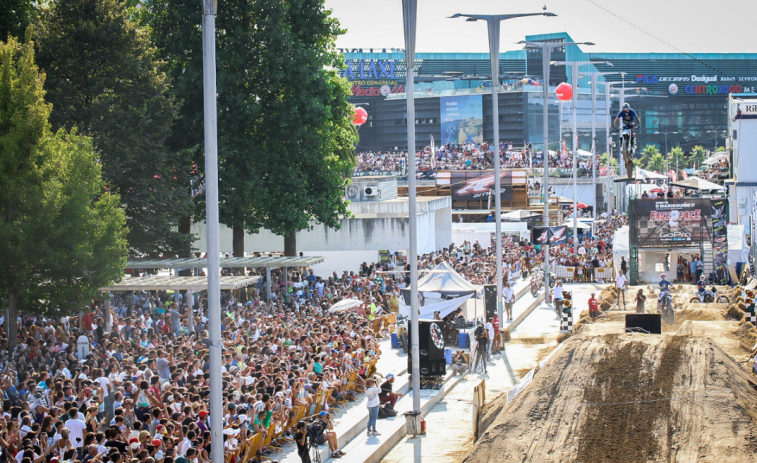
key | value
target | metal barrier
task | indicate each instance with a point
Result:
(578, 274)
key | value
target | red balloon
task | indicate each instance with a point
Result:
(360, 116)
(564, 92)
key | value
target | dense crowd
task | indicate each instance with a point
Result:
(470, 156)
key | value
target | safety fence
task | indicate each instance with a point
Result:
(581, 274)
(479, 399)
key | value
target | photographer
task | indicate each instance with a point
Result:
(301, 436)
(329, 435)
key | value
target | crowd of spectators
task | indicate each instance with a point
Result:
(469, 156)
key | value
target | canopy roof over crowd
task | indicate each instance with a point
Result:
(228, 262)
(154, 283)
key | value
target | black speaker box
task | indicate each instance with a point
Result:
(644, 323)
(428, 367)
(430, 340)
(490, 300)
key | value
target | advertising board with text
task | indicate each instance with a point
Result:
(474, 185)
(671, 222)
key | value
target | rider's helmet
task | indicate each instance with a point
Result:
(626, 107)
(662, 277)
(701, 278)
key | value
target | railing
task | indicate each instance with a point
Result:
(576, 274)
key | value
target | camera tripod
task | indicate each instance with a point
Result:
(316, 457)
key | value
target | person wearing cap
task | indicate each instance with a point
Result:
(640, 300)
(593, 307)
(387, 395)
(329, 435)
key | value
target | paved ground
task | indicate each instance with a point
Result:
(449, 424)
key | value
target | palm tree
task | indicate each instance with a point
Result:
(603, 160)
(656, 162)
(677, 154)
(647, 153)
(697, 156)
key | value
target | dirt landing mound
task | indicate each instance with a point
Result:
(629, 398)
(702, 312)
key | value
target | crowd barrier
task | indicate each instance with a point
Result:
(579, 274)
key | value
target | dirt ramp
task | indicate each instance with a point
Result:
(629, 398)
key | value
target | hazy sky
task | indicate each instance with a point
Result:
(693, 26)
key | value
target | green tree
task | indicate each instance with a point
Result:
(697, 156)
(603, 160)
(656, 162)
(62, 233)
(103, 78)
(286, 142)
(677, 154)
(15, 17)
(647, 153)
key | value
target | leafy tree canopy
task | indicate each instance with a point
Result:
(62, 233)
(103, 78)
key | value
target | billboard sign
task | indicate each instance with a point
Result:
(671, 222)
(474, 185)
(462, 119)
(551, 236)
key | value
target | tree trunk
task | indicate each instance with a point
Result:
(12, 322)
(290, 244)
(238, 241)
(185, 225)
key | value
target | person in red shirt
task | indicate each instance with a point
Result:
(87, 320)
(593, 307)
(497, 336)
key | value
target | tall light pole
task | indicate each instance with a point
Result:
(493, 23)
(574, 65)
(546, 55)
(666, 141)
(409, 14)
(593, 82)
(209, 10)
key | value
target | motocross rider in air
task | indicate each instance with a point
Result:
(630, 120)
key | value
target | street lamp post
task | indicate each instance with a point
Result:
(209, 10)
(574, 65)
(546, 54)
(410, 10)
(594, 76)
(666, 144)
(493, 23)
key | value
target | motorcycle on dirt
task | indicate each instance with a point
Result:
(665, 304)
(709, 296)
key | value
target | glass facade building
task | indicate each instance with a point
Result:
(681, 95)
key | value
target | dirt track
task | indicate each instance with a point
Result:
(630, 398)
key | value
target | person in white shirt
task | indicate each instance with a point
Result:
(620, 283)
(490, 331)
(509, 296)
(558, 298)
(76, 428)
(373, 405)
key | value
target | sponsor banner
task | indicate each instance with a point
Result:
(377, 174)
(462, 119)
(551, 236)
(474, 185)
(671, 223)
(720, 240)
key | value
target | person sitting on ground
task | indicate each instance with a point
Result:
(459, 364)
(387, 395)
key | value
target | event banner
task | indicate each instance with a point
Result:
(474, 185)
(462, 119)
(551, 236)
(670, 222)
(720, 239)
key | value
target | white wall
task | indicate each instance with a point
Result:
(745, 149)
(585, 194)
(443, 227)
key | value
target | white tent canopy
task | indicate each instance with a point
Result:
(427, 311)
(620, 246)
(648, 174)
(345, 304)
(569, 224)
(696, 183)
(443, 280)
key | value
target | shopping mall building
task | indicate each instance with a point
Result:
(683, 95)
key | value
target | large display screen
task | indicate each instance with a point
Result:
(462, 119)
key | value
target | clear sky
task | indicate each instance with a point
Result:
(692, 26)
